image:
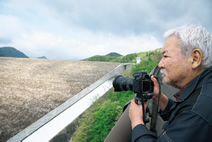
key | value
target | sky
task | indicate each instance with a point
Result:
(78, 29)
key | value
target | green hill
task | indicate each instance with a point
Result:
(114, 54)
(11, 52)
(101, 58)
(130, 58)
(105, 58)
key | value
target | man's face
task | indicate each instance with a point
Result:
(175, 67)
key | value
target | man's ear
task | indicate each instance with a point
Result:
(196, 58)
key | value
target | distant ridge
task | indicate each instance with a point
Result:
(42, 57)
(114, 54)
(104, 58)
(11, 52)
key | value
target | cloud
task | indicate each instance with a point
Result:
(78, 28)
(88, 45)
(127, 17)
(10, 26)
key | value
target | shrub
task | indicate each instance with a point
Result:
(97, 122)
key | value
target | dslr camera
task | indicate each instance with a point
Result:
(141, 84)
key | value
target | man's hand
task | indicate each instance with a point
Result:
(136, 114)
(163, 98)
(156, 89)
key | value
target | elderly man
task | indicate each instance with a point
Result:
(186, 64)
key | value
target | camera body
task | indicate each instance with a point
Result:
(141, 84)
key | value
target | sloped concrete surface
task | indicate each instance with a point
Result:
(30, 88)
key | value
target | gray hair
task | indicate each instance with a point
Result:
(191, 37)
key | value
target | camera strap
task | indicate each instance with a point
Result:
(157, 111)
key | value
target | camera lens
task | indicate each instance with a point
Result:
(121, 83)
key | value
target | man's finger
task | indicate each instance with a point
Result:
(154, 80)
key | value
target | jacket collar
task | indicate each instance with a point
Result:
(196, 83)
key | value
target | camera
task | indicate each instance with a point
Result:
(140, 84)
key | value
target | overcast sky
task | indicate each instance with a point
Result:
(77, 29)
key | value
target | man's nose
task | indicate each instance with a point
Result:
(161, 64)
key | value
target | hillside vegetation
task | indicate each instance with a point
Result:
(99, 119)
(130, 58)
(106, 58)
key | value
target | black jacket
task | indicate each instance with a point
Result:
(189, 118)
